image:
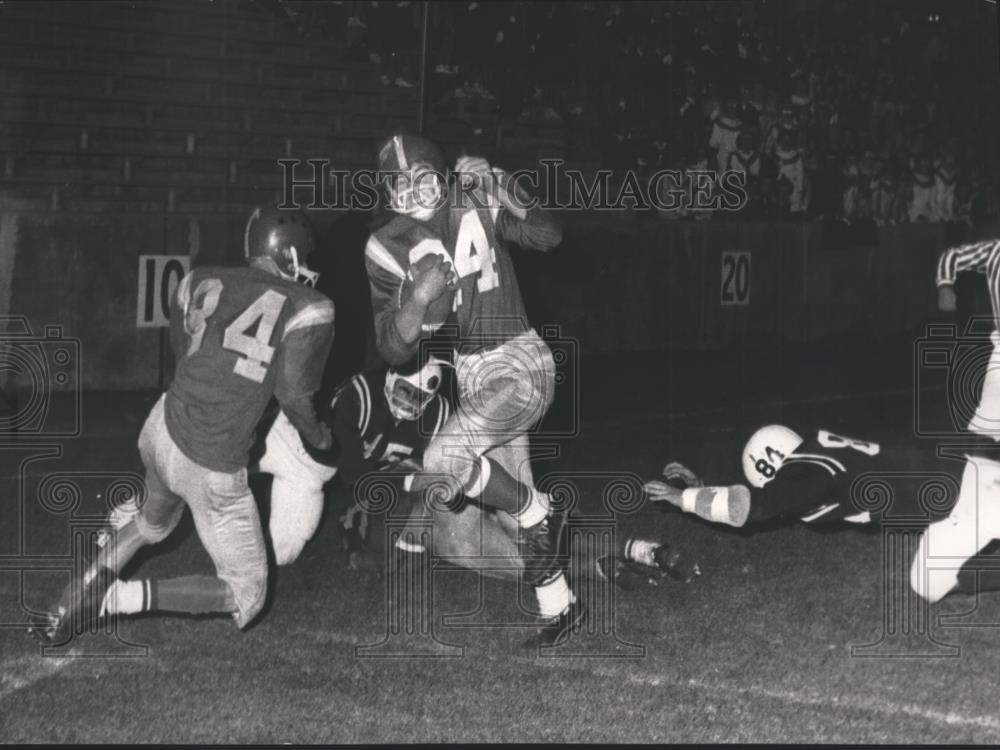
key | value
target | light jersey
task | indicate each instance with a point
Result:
(368, 437)
(240, 335)
(832, 477)
(488, 308)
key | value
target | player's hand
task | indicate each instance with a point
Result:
(326, 437)
(660, 492)
(946, 298)
(432, 277)
(678, 472)
(473, 170)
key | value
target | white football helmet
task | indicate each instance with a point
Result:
(766, 451)
(408, 395)
(416, 175)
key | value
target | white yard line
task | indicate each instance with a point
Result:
(23, 672)
(802, 698)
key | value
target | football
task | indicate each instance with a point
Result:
(439, 310)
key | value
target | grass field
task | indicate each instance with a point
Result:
(759, 648)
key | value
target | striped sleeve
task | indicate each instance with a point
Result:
(976, 256)
(364, 395)
(385, 274)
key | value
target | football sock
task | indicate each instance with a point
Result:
(729, 505)
(495, 487)
(191, 594)
(121, 547)
(404, 545)
(554, 596)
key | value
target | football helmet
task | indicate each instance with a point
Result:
(766, 451)
(409, 394)
(286, 237)
(415, 174)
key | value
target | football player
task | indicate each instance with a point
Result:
(505, 371)
(240, 335)
(827, 478)
(381, 420)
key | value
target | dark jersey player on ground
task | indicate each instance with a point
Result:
(827, 478)
(381, 419)
(504, 371)
(240, 335)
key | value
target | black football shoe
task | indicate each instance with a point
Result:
(539, 546)
(557, 631)
(672, 562)
(79, 610)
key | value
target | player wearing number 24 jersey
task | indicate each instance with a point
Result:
(240, 335)
(453, 241)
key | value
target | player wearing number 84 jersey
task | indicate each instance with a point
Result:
(240, 335)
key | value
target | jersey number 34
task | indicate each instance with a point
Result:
(256, 351)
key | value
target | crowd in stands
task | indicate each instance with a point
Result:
(853, 112)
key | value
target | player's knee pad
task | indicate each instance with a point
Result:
(296, 509)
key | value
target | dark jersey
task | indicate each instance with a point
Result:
(368, 437)
(488, 308)
(832, 478)
(241, 335)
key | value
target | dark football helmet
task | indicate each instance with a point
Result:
(415, 174)
(286, 237)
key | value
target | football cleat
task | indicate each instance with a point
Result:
(626, 574)
(81, 609)
(673, 563)
(538, 547)
(557, 631)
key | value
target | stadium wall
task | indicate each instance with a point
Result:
(130, 129)
(616, 286)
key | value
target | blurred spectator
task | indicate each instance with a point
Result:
(843, 100)
(943, 196)
(922, 200)
(726, 126)
(792, 169)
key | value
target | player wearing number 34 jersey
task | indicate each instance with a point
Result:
(240, 335)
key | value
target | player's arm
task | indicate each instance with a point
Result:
(304, 351)
(974, 256)
(178, 308)
(536, 229)
(347, 417)
(797, 490)
(398, 328)
(518, 218)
